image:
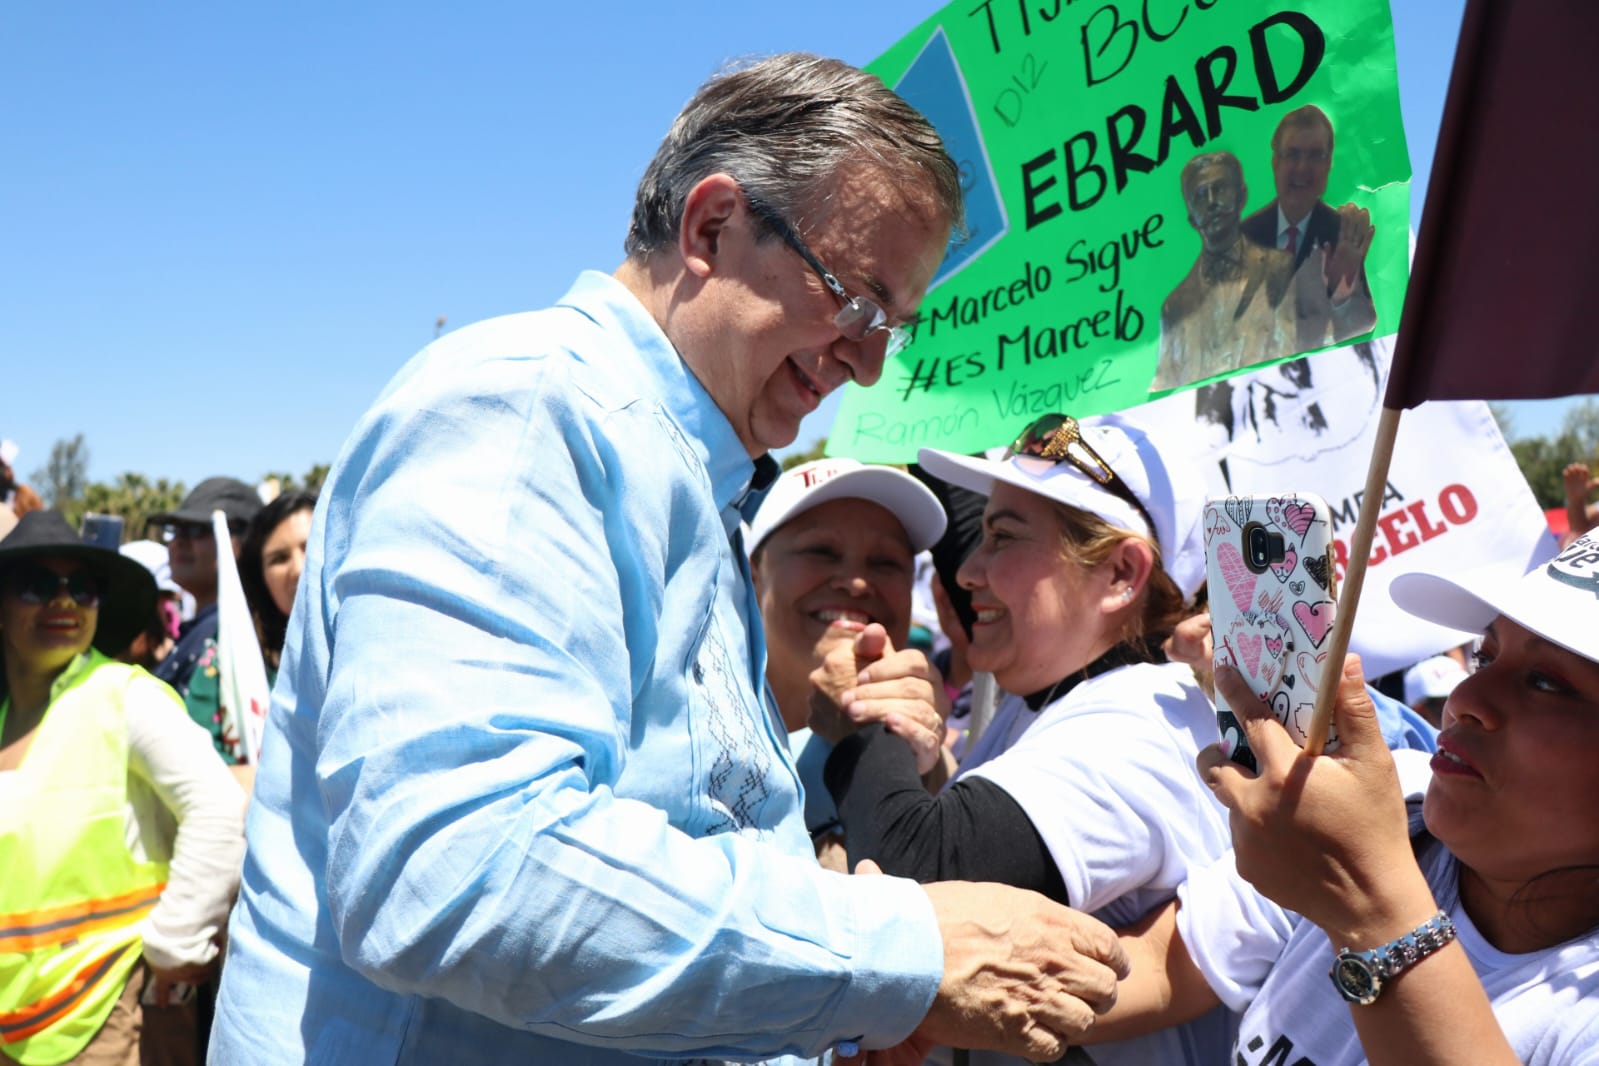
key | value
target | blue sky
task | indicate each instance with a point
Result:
(226, 225)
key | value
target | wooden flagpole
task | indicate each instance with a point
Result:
(1382, 453)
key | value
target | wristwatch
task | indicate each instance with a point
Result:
(1359, 975)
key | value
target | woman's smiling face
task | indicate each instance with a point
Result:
(821, 577)
(48, 633)
(1038, 613)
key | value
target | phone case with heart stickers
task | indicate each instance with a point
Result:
(1272, 595)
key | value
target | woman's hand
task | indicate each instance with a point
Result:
(163, 983)
(1325, 835)
(1190, 644)
(868, 681)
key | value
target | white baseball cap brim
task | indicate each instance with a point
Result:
(811, 484)
(1558, 600)
(1156, 473)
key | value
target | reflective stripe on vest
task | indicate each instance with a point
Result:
(58, 925)
(36, 1017)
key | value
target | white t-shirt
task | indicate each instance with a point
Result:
(1106, 775)
(1273, 965)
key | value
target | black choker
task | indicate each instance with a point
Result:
(1124, 654)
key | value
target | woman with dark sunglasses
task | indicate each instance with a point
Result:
(121, 832)
(1083, 786)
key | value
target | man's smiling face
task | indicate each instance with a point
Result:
(777, 352)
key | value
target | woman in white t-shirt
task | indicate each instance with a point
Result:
(1470, 935)
(1083, 786)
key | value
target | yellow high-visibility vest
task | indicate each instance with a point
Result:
(72, 894)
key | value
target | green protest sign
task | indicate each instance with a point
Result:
(1160, 193)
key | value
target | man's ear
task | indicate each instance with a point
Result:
(709, 206)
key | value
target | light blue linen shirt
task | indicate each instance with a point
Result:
(521, 797)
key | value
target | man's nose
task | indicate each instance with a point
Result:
(863, 358)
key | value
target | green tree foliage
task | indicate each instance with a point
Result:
(815, 451)
(1543, 458)
(132, 497)
(311, 482)
(1582, 426)
(62, 480)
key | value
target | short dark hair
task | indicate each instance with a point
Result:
(1304, 118)
(783, 127)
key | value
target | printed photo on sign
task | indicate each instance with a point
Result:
(1289, 278)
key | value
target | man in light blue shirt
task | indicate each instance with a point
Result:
(522, 798)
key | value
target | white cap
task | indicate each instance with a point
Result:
(153, 557)
(1159, 472)
(8, 451)
(817, 482)
(1558, 600)
(1432, 679)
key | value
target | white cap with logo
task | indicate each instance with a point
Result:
(817, 482)
(1558, 600)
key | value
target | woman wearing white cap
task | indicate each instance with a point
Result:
(832, 555)
(832, 551)
(1083, 786)
(1469, 936)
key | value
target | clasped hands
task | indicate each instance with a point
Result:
(1022, 974)
(868, 680)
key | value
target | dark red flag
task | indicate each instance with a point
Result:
(1503, 302)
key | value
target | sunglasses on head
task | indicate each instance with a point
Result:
(38, 584)
(1059, 439)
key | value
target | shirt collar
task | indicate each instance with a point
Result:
(766, 471)
(660, 370)
(1283, 224)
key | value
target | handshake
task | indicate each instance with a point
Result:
(1022, 975)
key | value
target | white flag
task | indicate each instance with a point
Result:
(241, 672)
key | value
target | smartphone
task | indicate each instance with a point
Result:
(103, 530)
(1272, 596)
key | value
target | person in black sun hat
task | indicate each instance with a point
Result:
(122, 832)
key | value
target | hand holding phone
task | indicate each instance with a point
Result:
(1272, 597)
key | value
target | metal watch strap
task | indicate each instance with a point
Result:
(1359, 975)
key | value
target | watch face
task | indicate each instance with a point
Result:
(1355, 979)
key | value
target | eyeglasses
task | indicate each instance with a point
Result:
(859, 318)
(1059, 439)
(37, 584)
